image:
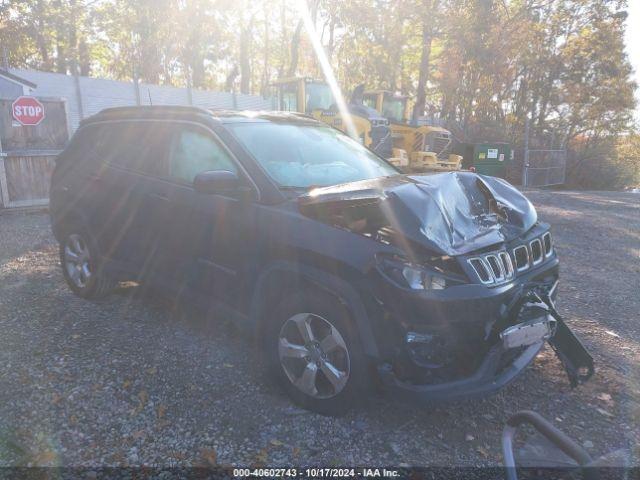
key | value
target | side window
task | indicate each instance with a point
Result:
(370, 101)
(288, 98)
(140, 146)
(194, 151)
(87, 145)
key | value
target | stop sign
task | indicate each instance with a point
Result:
(28, 110)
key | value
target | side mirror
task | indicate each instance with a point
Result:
(216, 181)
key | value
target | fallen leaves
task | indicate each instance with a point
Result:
(605, 397)
(482, 451)
(262, 457)
(178, 455)
(143, 398)
(161, 411)
(209, 455)
(45, 458)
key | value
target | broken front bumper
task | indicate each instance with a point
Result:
(490, 377)
(516, 346)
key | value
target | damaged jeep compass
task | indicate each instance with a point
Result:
(347, 271)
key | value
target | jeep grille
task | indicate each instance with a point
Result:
(546, 241)
(498, 267)
(493, 267)
(536, 251)
(521, 254)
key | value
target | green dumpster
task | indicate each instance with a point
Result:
(490, 158)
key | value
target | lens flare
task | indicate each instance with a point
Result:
(327, 70)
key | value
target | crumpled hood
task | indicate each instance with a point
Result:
(448, 213)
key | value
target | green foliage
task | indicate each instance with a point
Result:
(484, 66)
(609, 163)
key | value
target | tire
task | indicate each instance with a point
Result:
(81, 267)
(339, 357)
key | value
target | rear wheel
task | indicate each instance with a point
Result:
(315, 353)
(81, 267)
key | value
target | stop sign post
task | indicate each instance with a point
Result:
(28, 110)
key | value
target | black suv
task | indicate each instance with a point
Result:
(437, 286)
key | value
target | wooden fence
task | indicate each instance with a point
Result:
(27, 153)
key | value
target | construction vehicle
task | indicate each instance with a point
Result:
(315, 98)
(428, 146)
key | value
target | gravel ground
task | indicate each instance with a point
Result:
(131, 381)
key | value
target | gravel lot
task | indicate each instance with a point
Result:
(132, 381)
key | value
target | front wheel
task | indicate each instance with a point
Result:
(315, 353)
(79, 257)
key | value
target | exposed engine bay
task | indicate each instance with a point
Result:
(462, 229)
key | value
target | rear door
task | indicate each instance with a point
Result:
(135, 177)
(75, 185)
(209, 238)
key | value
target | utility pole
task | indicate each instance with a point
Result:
(5, 58)
(189, 85)
(525, 162)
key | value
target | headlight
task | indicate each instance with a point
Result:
(419, 279)
(408, 275)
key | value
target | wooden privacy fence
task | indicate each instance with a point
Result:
(28, 152)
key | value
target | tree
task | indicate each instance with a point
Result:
(484, 65)
(429, 14)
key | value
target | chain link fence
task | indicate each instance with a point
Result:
(544, 167)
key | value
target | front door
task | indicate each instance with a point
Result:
(209, 237)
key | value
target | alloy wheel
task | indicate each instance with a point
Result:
(77, 260)
(314, 355)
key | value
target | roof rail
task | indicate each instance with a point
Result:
(151, 108)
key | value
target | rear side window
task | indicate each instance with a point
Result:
(195, 151)
(87, 146)
(139, 146)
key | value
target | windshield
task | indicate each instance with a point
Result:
(302, 156)
(393, 108)
(318, 97)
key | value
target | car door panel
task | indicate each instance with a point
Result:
(207, 235)
(135, 212)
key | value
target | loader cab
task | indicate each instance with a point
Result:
(318, 96)
(392, 106)
(315, 98)
(303, 95)
(427, 146)
(289, 94)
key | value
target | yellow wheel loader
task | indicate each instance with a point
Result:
(428, 146)
(315, 98)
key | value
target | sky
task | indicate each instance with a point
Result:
(632, 41)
